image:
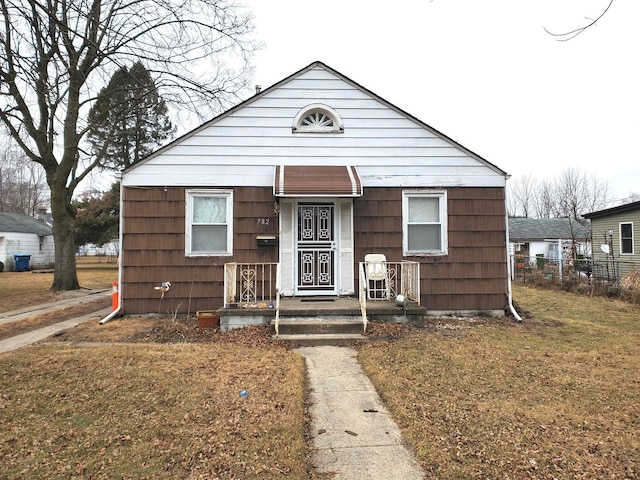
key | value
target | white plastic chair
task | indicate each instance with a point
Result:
(377, 276)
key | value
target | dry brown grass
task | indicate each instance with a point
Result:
(631, 281)
(162, 411)
(555, 397)
(39, 320)
(23, 289)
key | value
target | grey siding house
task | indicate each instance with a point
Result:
(615, 234)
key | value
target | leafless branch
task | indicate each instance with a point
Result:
(563, 37)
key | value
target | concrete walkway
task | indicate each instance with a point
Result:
(22, 340)
(353, 435)
(76, 297)
(73, 297)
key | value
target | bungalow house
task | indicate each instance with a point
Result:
(551, 238)
(27, 237)
(615, 234)
(308, 176)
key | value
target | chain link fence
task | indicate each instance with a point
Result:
(612, 276)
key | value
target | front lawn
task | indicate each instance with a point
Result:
(152, 411)
(557, 396)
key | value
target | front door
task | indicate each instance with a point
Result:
(316, 249)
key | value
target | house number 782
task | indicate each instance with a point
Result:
(263, 221)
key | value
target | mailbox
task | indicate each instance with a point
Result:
(266, 240)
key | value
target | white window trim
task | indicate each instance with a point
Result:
(633, 240)
(442, 195)
(338, 126)
(228, 194)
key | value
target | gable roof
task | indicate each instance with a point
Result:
(18, 223)
(290, 78)
(627, 207)
(521, 229)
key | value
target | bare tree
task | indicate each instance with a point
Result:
(56, 55)
(577, 192)
(520, 196)
(571, 194)
(22, 184)
(543, 200)
(630, 198)
(563, 37)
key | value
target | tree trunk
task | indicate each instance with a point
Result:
(65, 276)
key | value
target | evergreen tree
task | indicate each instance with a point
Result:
(97, 218)
(129, 120)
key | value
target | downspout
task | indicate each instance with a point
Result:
(116, 312)
(509, 292)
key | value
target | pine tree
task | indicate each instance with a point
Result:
(97, 218)
(132, 115)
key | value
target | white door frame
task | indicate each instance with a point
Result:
(321, 253)
(343, 238)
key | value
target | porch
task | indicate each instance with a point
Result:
(252, 297)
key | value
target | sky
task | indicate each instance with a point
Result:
(484, 73)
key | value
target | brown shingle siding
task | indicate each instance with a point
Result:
(471, 277)
(476, 223)
(154, 246)
(484, 193)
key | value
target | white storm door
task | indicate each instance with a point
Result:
(316, 249)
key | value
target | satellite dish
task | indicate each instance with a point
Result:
(605, 248)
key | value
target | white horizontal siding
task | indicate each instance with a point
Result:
(263, 176)
(13, 243)
(242, 147)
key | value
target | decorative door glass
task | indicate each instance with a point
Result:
(316, 248)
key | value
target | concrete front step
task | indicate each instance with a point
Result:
(323, 339)
(336, 324)
(320, 330)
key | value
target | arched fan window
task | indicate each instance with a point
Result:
(317, 118)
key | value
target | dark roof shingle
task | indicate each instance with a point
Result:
(546, 228)
(18, 223)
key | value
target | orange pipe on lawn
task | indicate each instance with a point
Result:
(114, 296)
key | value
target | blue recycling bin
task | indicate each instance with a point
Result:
(22, 262)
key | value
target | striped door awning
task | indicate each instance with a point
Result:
(316, 181)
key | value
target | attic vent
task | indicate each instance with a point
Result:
(317, 118)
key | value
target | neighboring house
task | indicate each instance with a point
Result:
(553, 238)
(314, 173)
(615, 235)
(110, 249)
(24, 235)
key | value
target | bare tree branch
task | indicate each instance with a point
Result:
(56, 55)
(563, 37)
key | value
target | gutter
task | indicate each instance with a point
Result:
(116, 312)
(509, 292)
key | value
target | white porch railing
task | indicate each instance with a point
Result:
(249, 284)
(403, 279)
(362, 295)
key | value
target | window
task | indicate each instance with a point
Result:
(626, 238)
(317, 118)
(209, 222)
(424, 223)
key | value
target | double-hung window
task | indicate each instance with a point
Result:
(424, 222)
(209, 222)
(626, 238)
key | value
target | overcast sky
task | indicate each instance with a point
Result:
(484, 73)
